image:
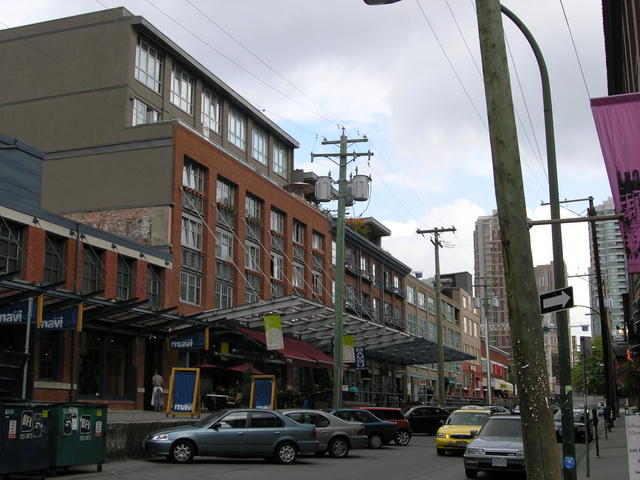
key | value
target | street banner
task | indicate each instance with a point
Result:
(66, 319)
(263, 392)
(194, 341)
(184, 392)
(348, 353)
(617, 120)
(15, 314)
(361, 358)
(273, 332)
(632, 427)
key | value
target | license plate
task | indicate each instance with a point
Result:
(461, 444)
(498, 462)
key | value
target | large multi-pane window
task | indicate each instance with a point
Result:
(190, 287)
(333, 252)
(411, 295)
(252, 256)
(225, 193)
(259, 145)
(422, 301)
(191, 232)
(92, 269)
(298, 232)
(317, 283)
(224, 295)
(143, 113)
(237, 129)
(182, 89)
(124, 278)
(193, 176)
(224, 245)
(154, 287)
(253, 208)
(10, 247)
(54, 248)
(49, 355)
(411, 324)
(211, 108)
(422, 327)
(298, 275)
(277, 266)
(317, 241)
(148, 70)
(279, 160)
(277, 221)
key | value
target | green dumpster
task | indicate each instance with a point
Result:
(78, 434)
(24, 437)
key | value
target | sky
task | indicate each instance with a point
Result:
(408, 77)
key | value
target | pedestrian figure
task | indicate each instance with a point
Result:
(429, 394)
(157, 395)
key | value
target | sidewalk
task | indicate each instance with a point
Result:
(612, 464)
(142, 416)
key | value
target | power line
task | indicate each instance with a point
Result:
(566, 19)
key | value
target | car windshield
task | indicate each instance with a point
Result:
(468, 418)
(209, 418)
(502, 428)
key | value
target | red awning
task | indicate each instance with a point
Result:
(243, 368)
(293, 349)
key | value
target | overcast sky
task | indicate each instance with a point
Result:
(408, 77)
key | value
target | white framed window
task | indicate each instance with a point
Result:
(279, 160)
(298, 275)
(182, 89)
(317, 241)
(277, 266)
(259, 143)
(148, 69)
(317, 283)
(364, 264)
(298, 232)
(237, 129)
(421, 300)
(334, 252)
(190, 287)
(396, 281)
(224, 295)
(277, 221)
(225, 193)
(191, 232)
(411, 295)
(253, 208)
(143, 113)
(211, 108)
(193, 176)
(252, 257)
(224, 245)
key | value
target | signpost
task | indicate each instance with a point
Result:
(263, 392)
(184, 392)
(556, 300)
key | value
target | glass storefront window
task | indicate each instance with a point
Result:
(105, 361)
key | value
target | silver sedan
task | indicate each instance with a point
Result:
(336, 436)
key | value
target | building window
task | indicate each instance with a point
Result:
(298, 275)
(253, 209)
(333, 252)
(277, 266)
(54, 249)
(225, 193)
(49, 357)
(411, 295)
(105, 365)
(259, 146)
(317, 284)
(10, 247)
(193, 176)
(279, 161)
(190, 287)
(298, 232)
(375, 273)
(210, 114)
(191, 232)
(224, 245)
(237, 129)
(252, 257)
(388, 310)
(421, 300)
(396, 281)
(148, 65)
(143, 113)
(317, 241)
(422, 328)
(154, 287)
(124, 278)
(364, 264)
(92, 270)
(224, 295)
(182, 89)
(277, 221)
(411, 324)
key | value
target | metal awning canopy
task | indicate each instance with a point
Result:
(313, 322)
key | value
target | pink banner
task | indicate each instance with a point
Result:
(618, 124)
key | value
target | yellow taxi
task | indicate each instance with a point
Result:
(459, 429)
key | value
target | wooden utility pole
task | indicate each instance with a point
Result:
(439, 335)
(541, 453)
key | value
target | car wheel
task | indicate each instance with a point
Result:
(338, 448)
(375, 440)
(471, 473)
(285, 453)
(440, 451)
(403, 437)
(182, 451)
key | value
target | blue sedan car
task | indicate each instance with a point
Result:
(378, 432)
(236, 433)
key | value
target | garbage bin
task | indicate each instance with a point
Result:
(24, 437)
(78, 434)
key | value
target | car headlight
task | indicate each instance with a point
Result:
(475, 451)
(441, 435)
(160, 436)
(520, 453)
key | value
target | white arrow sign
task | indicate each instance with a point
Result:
(561, 300)
(557, 300)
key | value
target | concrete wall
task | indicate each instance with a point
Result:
(125, 440)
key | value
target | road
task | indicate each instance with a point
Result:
(416, 461)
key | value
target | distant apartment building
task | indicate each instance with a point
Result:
(489, 281)
(545, 283)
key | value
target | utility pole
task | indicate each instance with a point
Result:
(436, 244)
(340, 227)
(541, 455)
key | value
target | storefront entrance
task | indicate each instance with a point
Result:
(106, 370)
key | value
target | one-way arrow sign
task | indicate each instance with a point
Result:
(557, 300)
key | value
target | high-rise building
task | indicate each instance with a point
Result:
(489, 280)
(613, 266)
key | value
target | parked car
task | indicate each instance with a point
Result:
(236, 433)
(394, 415)
(459, 429)
(426, 419)
(497, 409)
(471, 407)
(579, 427)
(335, 435)
(378, 432)
(498, 448)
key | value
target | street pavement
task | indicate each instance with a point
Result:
(612, 463)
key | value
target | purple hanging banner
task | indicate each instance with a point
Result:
(617, 121)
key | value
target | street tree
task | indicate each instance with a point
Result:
(594, 368)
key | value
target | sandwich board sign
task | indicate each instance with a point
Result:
(263, 392)
(556, 300)
(184, 392)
